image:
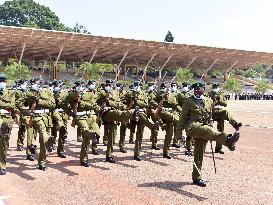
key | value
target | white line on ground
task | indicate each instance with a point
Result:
(2, 198)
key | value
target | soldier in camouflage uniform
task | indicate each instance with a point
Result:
(196, 119)
(7, 108)
(220, 113)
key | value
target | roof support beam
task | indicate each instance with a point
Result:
(93, 55)
(191, 62)
(118, 67)
(234, 64)
(210, 67)
(144, 77)
(22, 52)
(160, 71)
(226, 74)
(268, 67)
(59, 55)
(56, 62)
(248, 71)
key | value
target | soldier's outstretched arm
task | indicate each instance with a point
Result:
(49, 102)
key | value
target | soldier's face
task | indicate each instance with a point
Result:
(23, 86)
(198, 91)
(3, 84)
(57, 88)
(108, 87)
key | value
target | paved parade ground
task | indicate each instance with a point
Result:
(243, 176)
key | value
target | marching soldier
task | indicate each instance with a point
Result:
(40, 102)
(112, 110)
(151, 91)
(93, 94)
(47, 88)
(166, 109)
(196, 119)
(220, 113)
(123, 125)
(181, 98)
(60, 117)
(84, 108)
(175, 93)
(7, 107)
(137, 99)
(23, 122)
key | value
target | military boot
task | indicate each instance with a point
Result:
(231, 140)
(199, 182)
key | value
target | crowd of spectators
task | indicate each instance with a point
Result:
(249, 96)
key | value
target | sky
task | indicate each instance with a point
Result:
(239, 24)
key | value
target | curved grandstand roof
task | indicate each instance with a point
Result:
(38, 44)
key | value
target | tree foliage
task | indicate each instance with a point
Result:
(15, 71)
(78, 28)
(183, 75)
(262, 86)
(93, 71)
(233, 85)
(27, 13)
(169, 37)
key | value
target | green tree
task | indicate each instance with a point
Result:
(262, 86)
(15, 71)
(93, 71)
(31, 14)
(183, 75)
(233, 85)
(169, 37)
(78, 28)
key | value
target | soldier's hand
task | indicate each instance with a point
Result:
(106, 99)
(36, 98)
